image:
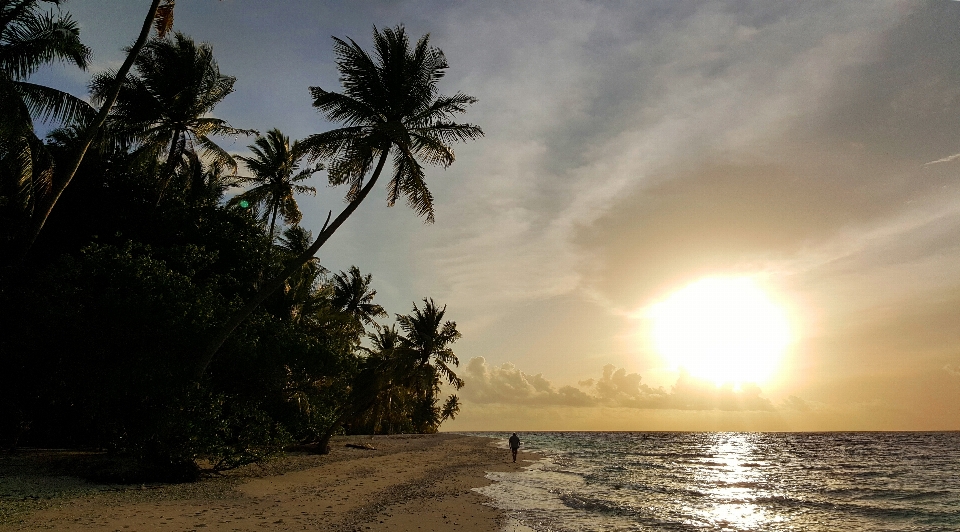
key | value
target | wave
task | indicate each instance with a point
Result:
(746, 482)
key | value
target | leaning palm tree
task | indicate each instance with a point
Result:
(390, 104)
(159, 14)
(29, 39)
(276, 172)
(164, 109)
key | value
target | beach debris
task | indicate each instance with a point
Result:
(366, 446)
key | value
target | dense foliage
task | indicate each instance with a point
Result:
(145, 256)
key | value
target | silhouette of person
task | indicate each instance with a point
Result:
(514, 445)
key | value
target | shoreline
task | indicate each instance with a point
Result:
(408, 483)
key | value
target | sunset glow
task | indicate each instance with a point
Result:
(725, 330)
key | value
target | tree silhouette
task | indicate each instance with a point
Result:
(353, 296)
(160, 13)
(165, 107)
(403, 374)
(29, 39)
(390, 103)
(429, 362)
(275, 176)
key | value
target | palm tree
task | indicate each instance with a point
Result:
(275, 175)
(408, 369)
(390, 104)
(388, 404)
(427, 338)
(304, 293)
(353, 296)
(160, 13)
(30, 39)
(165, 108)
(204, 183)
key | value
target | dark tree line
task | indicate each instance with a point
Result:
(153, 309)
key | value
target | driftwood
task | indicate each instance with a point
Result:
(361, 446)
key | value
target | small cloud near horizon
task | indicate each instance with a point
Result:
(507, 384)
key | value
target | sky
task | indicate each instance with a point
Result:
(633, 149)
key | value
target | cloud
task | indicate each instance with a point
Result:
(952, 370)
(593, 105)
(944, 159)
(795, 403)
(508, 385)
(618, 388)
(693, 394)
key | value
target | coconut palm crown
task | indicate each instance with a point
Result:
(352, 294)
(166, 106)
(390, 101)
(428, 337)
(276, 171)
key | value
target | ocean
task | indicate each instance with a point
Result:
(734, 481)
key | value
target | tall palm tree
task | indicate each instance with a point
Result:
(390, 404)
(275, 175)
(29, 39)
(390, 103)
(164, 109)
(159, 13)
(426, 339)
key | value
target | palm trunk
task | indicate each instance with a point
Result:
(40, 217)
(221, 335)
(273, 223)
(273, 220)
(177, 145)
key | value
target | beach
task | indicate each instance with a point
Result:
(405, 483)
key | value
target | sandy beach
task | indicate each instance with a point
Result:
(408, 483)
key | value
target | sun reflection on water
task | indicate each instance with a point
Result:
(733, 479)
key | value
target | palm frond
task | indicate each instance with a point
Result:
(431, 150)
(47, 104)
(163, 22)
(343, 108)
(15, 120)
(35, 39)
(332, 143)
(441, 109)
(215, 152)
(409, 181)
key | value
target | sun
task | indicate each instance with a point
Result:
(722, 329)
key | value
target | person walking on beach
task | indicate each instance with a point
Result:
(514, 445)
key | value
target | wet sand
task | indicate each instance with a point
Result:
(409, 483)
